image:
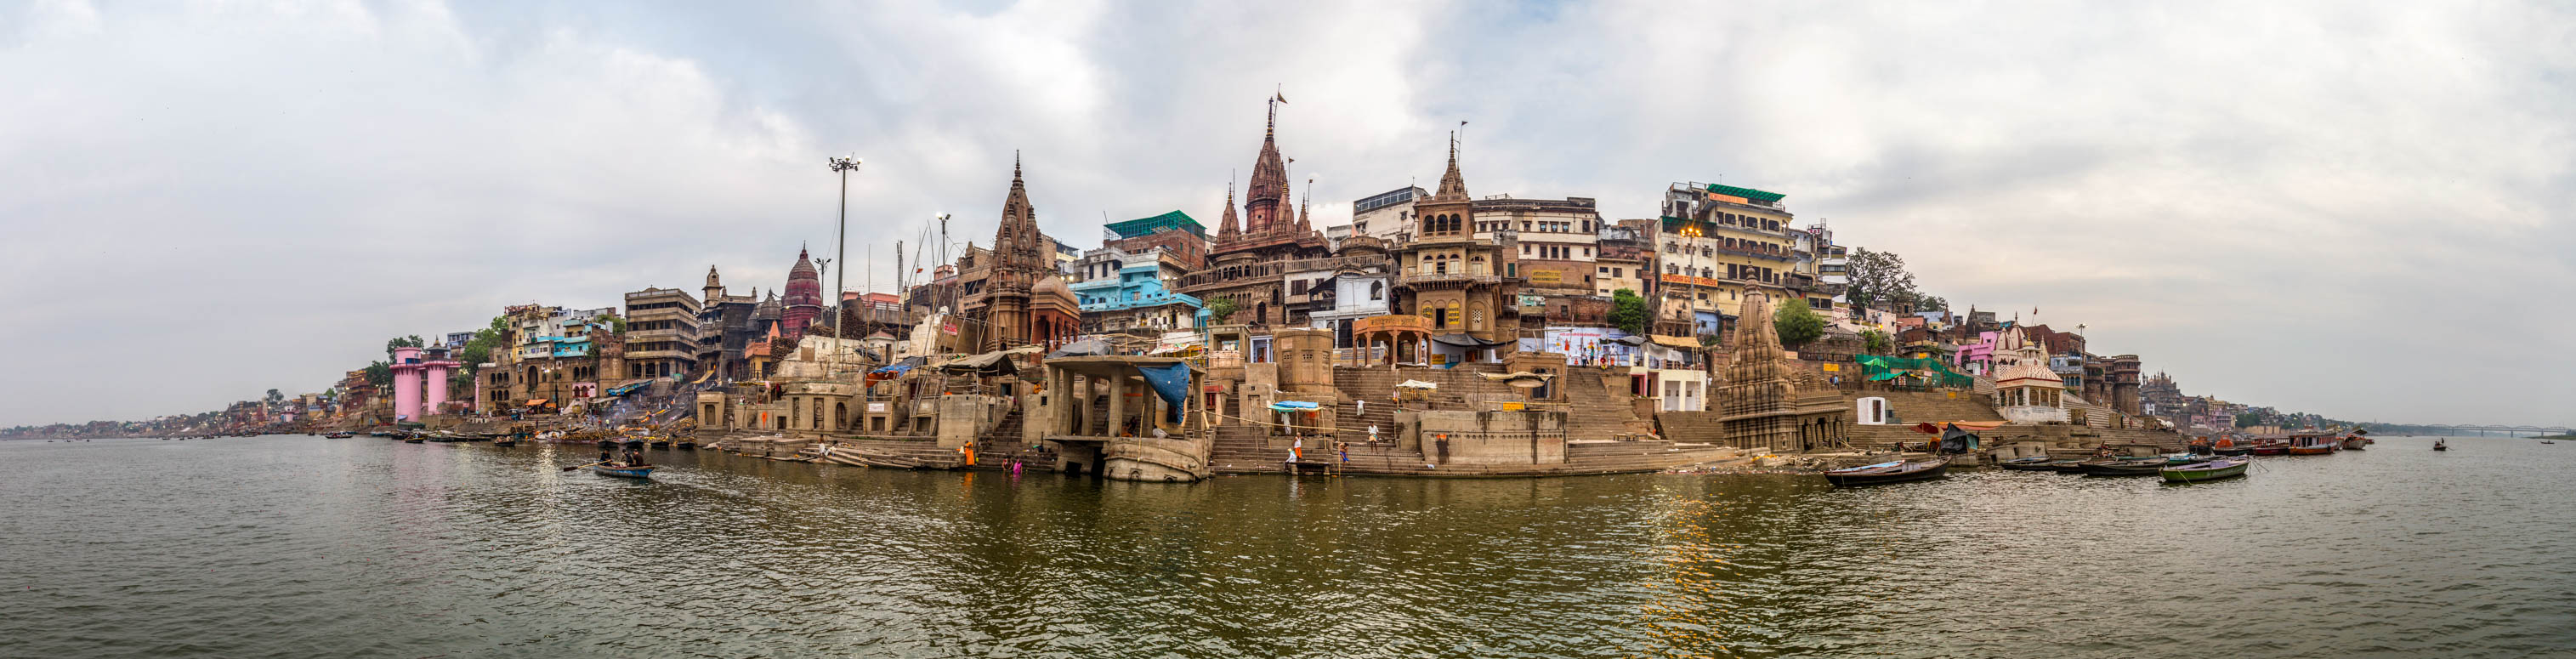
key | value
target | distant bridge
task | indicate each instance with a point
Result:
(2484, 431)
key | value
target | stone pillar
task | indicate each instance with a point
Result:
(1117, 403)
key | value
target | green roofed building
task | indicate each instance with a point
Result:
(1172, 232)
(1763, 196)
(1145, 226)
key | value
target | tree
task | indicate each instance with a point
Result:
(1875, 342)
(381, 374)
(1220, 309)
(479, 348)
(1797, 323)
(273, 397)
(1628, 312)
(615, 324)
(1879, 279)
(412, 341)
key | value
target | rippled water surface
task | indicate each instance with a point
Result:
(307, 547)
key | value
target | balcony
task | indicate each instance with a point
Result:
(1416, 279)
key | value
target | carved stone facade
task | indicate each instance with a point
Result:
(1759, 395)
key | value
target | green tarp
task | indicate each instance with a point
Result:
(1923, 372)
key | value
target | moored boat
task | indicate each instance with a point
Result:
(2068, 466)
(1888, 472)
(2207, 471)
(2313, 443)
(2272, 448)
(2120, 467)
(644, 471)
(2033, 463)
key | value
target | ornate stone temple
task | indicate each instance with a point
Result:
(1760, 392)
(1021, 269)
(1246, 266)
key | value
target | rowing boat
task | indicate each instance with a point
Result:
(1888, 472)
(2207, 471)
(624, 471)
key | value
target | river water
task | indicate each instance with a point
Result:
(295, 546)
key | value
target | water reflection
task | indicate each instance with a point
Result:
(373, 547)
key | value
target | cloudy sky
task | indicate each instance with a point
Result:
(2361, 210)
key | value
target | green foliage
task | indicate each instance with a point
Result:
(1220, 309)
(1797, 323)
(1875, 342)
(273, 397)
(2248, 419)
(615, 324)
(1879, 279)
(479, 348)
(381, 374)
(1628, 312)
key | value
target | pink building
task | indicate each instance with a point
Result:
(1978, 357)
(410, 368)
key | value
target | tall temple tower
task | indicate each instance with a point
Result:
(1265, 203)
(1020, 258)
(804, 296)
(1759, 395)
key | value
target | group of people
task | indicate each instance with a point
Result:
(625, 457)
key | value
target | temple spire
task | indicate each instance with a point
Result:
(1226, 227)
(1452, 184)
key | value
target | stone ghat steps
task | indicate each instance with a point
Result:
(997, 449)
(1597, 410)
(894, 453)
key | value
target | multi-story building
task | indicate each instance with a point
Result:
(1556, 244)
(1718, 243)
(1120, 291)
(661, 333)
(1175, 233)
(1626, 259)
(1459, 282)
(725, 328)
(1827, 266)
(1386, 215)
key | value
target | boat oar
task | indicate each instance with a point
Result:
(580, 466)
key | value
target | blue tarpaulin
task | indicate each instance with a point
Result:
(1171, 382)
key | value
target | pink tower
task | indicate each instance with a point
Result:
(436, 366)
(407, 368)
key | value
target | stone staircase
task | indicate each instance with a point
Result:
(996, 450)
(895, 454)
(1595, 409)
(1245, 449)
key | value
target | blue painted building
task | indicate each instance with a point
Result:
(1134, 296)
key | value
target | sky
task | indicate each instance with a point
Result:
(2359, 209)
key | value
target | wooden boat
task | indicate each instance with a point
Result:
(2272, 448)
(2207, 471)
(687, 445)
(506, 442)
(2068, 466)
(623, 470)
(2034, 463)
(2440, 445)
(1888, 472)
(414, 440)
(2314, 443)
(2119, 467)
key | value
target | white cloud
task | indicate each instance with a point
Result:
(2299, 205)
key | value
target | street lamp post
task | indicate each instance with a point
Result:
(841, 247)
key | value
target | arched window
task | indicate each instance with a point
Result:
(840, 416)
(818, 413)
(1377, 290)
